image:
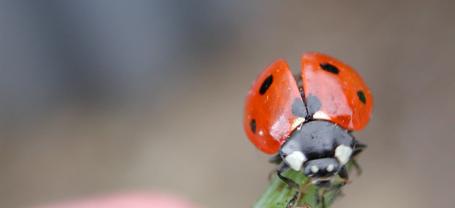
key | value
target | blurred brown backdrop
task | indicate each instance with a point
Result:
(106, 96)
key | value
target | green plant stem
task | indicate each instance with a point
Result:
(278, 193)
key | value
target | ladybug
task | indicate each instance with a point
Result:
(307, 120)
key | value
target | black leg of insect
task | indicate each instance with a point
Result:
(322, 192)
(357, 149)
(283, 167)
(343, 173)
(320, 198)
(300, 188)
(276, 159)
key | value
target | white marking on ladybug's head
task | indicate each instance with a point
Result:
(314, 169)
(295, 160)
(343, 154)
(297, 122)
(330, 168)
(321, 115)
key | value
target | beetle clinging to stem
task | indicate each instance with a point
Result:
(307, 120)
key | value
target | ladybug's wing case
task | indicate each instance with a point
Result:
(274, 108)
(334, 91)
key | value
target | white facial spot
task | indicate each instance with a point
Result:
(314, 169)
(330, 168)
(343, 154)
(321, 115)
(297, 122)
(295, 160)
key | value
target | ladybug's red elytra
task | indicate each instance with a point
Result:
(307, 119)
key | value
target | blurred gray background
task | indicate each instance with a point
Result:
(107, 96)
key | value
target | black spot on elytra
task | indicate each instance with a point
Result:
(266, 84)
(330, 68)
(298, 108)
(361, 96)
(313, 104)
(253, 125)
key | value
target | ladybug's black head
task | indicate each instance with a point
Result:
(319, 149)
(322, 170)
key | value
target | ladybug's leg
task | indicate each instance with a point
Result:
(357, 149)
(320, 199)
(343, 173)
(283, 167)
(337, 189)
(276, 159)
(357, 167)
(322, 192)
(293, 202)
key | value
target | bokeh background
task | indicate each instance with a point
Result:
(100, 97)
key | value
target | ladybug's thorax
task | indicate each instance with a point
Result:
(324, 146)
(317, 139)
